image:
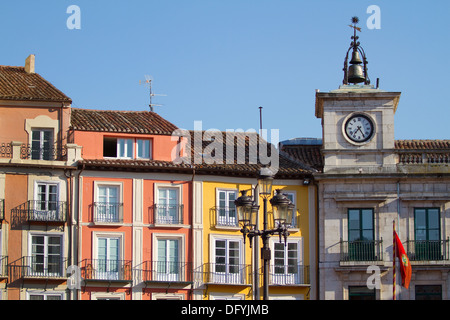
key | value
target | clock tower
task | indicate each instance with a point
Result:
(357, 120)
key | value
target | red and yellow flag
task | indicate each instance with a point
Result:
(405, 265)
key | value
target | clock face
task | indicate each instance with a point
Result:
(359, 128)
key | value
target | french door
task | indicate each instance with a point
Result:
(108, 260)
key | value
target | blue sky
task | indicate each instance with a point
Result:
(218, 61)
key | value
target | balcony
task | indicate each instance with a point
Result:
(106, 270)
(55, 152)
(44, 267)
(428, 250)
(45, 211)
(290, 275)
(108, 212)
(226, 217)
(229, 274)
(361, 251)
(167, 214)
(166, 271)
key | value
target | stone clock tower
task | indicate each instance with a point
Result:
(357, 120)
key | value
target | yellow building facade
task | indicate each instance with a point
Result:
(231, 267)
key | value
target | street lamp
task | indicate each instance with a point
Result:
(282, 216)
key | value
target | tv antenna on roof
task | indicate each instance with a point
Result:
(148, 82)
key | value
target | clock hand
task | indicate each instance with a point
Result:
(359, 128)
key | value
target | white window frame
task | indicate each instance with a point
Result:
(166, 219)
(108, 296)
(287, 278)
(146, 149)
(293, 223)
(227, 277)
(42, 142)
(47, 211)
(227, 220)
(110, 235)
(119, 185)
(181, 253)
(46, 235)
(46, 294)
(225, 296)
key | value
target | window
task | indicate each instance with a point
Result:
(125, 148)
(286, 267)
(361, 245)
(361, 293)
(108, 258)
(42, 144)
(143, 149)
(227, 266)
(428, 292)
(45, 206)
(108, 206)
(168, 264)
(427, 233)
(118, 148)
(168, 208)
(46, 256)
(226, 214)
(291, 196)
(45, 296)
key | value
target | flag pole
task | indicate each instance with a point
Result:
(393, 262)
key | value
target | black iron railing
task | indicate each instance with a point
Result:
(46, 211)
(218, 273)
(362, 250)
(40, 266)
(297, 274)
(165, 271)
(106, 269)
(226, 216)
(168, 213)
(428, 250)
(108, 212)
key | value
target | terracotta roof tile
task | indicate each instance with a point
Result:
(17, 84)
(140, 122)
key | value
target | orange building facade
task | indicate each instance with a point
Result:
(36, 165)
(133, 235)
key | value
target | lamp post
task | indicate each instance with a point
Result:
(247, 215)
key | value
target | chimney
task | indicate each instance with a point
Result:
(29, 64)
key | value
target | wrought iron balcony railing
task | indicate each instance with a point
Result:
(168, 214)
(428, 250)
(226, 216)
(108, 212)
(106, 270)
(46, 211)
(44, 267)
(224, 273)
(165, 271)
(362, 250)
(289, 275)
(51, 153)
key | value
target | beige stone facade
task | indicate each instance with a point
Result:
(364, 188)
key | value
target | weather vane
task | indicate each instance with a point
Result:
(355, 21)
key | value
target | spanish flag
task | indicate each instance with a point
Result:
(405, 265)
